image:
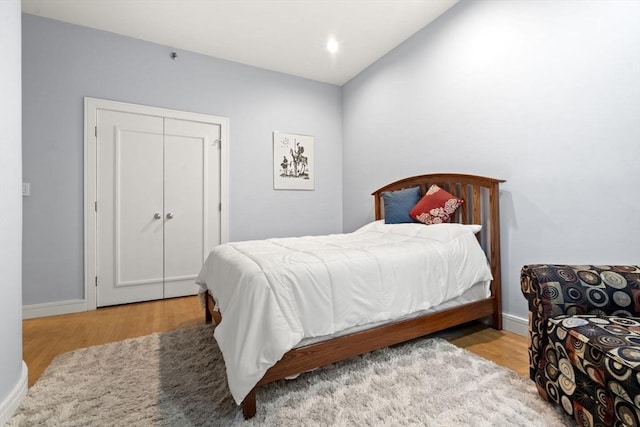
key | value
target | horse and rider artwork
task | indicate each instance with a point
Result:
(293, 161)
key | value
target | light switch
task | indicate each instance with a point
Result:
(26, 188)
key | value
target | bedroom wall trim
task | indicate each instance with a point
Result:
(511, 323)
(9, 405)
(32, 311)
(515, 324)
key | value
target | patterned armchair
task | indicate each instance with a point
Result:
(584, 352)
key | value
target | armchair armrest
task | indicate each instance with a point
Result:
(553, 290)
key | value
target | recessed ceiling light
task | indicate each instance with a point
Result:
(332, 45)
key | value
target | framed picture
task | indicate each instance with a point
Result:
(292, 162)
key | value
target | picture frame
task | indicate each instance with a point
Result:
(293, 161)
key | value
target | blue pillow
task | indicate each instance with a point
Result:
(397, 205)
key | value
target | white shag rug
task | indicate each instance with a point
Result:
(178, 379)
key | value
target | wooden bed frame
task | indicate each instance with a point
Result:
(481, 207)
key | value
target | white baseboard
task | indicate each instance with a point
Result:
(9, 405)
(511, 323)
(53, 308)
(515, 324)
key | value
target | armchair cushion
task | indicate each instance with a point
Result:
(613, 345)
(591, 368)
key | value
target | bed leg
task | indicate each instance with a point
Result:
(496, 321)
(249, 405)
(211, 315)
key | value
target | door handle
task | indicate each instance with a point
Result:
(169, 215)
(157, 215)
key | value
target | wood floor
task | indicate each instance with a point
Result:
(45, 338)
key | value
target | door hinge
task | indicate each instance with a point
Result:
(219, 207)
(96, 281)
(95, 131)
(95, 206)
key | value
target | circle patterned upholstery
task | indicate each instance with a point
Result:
(585, 341)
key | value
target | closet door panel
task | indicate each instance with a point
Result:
(130, 237)
(191, 201)
(138, 201)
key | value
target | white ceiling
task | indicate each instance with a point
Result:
(289, 36)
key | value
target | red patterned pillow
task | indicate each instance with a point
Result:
(436, 206)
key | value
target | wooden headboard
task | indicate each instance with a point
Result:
(481, 206)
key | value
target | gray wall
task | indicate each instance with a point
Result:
(63, 63)
(543, 94)
(12, 376)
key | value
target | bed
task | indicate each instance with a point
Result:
(331, 342)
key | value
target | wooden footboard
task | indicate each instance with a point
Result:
(481, 207)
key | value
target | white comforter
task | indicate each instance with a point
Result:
(273, 293)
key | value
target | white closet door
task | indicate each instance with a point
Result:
(191, 201)
(130, 162)
(154, 189)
